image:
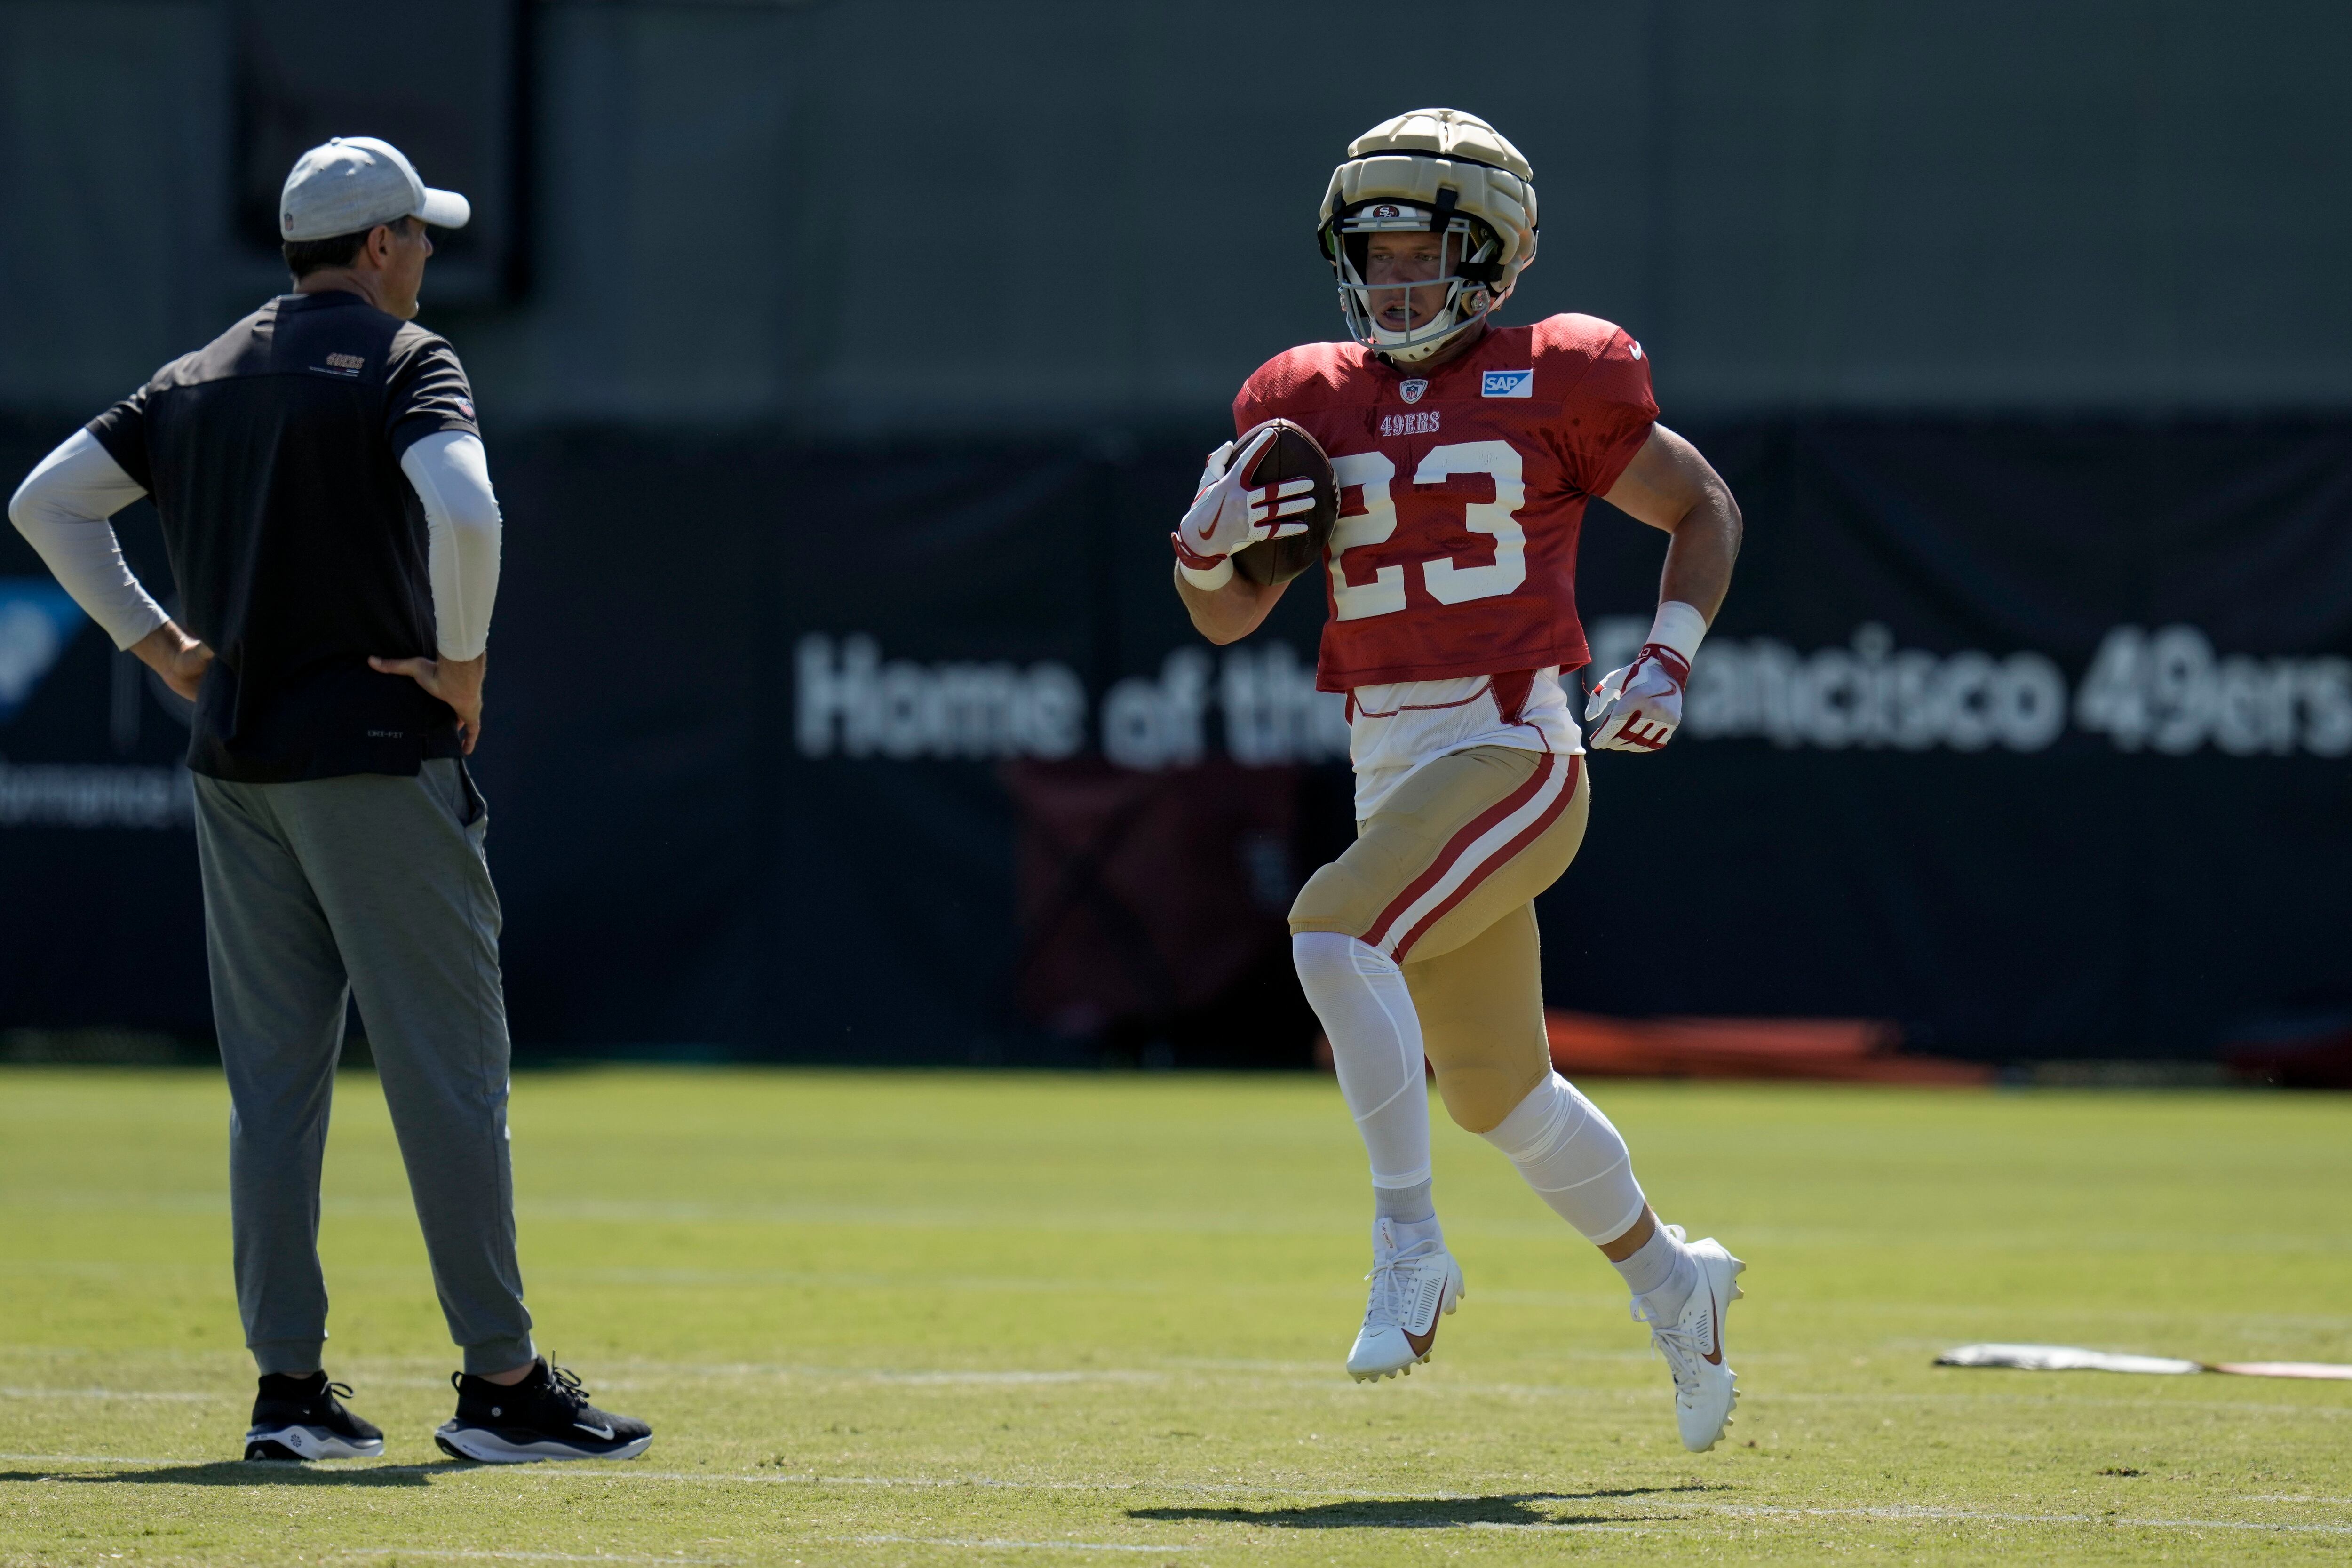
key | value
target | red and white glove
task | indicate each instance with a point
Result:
(1636, 709)
(1227, 517)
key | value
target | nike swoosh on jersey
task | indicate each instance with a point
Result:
(606, 1432)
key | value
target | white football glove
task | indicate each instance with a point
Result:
(1637, 708)
(1227, 517)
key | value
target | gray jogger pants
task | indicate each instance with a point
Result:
(375, 887)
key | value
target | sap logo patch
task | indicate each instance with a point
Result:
(1507, 383)
(37, 620)
(1410, 391)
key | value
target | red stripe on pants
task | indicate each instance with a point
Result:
(1533, 831)
(1456, 847)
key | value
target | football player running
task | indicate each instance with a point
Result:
(1465, 453)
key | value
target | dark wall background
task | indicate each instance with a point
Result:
(2030, 736)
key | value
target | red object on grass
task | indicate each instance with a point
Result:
(1846, 1050)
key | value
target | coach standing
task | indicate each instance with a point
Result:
(326, 503)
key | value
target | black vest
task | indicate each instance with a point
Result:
(298, 547)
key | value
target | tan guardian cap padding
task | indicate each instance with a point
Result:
(1448, 133)
(1410, 157)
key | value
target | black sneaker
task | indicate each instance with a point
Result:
(300, 1418)
(545, 1416)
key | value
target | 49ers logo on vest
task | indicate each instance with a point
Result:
(1455, 548)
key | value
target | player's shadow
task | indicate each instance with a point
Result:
(1422, 1513)
(246, 1473)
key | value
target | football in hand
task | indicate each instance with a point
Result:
(1292, 454)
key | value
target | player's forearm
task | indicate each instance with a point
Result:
(1229, 612)
(1700, 554)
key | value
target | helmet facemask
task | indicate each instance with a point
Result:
(1468, 269)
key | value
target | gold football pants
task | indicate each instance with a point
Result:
(1443, 879)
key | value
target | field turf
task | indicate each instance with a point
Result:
(959, 1318)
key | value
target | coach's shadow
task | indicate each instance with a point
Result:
(247, 1473)
(1420, 1513)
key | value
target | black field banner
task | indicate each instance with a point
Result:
(2032, 738)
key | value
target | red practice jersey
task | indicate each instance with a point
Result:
(1461, 491)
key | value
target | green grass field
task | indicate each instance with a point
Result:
(966, 1319)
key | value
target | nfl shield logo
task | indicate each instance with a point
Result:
(1410, 391)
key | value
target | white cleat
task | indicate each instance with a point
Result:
(1705, 1388)
(1409, 1293)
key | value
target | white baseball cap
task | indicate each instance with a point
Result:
(354, 183)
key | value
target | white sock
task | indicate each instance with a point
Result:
(1359, 993)
(1573, 1158)
(1661, 1275)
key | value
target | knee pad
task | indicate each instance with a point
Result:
(1332, 957)
(1573, 1157)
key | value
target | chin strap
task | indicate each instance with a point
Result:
(1421, 352)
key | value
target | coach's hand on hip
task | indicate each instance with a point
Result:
(457, 681)
(175, 656)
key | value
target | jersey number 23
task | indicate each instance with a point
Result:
(1448, 583)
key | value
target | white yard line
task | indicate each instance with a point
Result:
(103, 1393)
(986, 1483)
(1744, 1511)
(1006, 1545)
(432, 1552)
(642, 1374)
(923, 1379)
(1565, 1527)
(2055, 1397)
(95, 1460)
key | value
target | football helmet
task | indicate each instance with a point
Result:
(1432, 171)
